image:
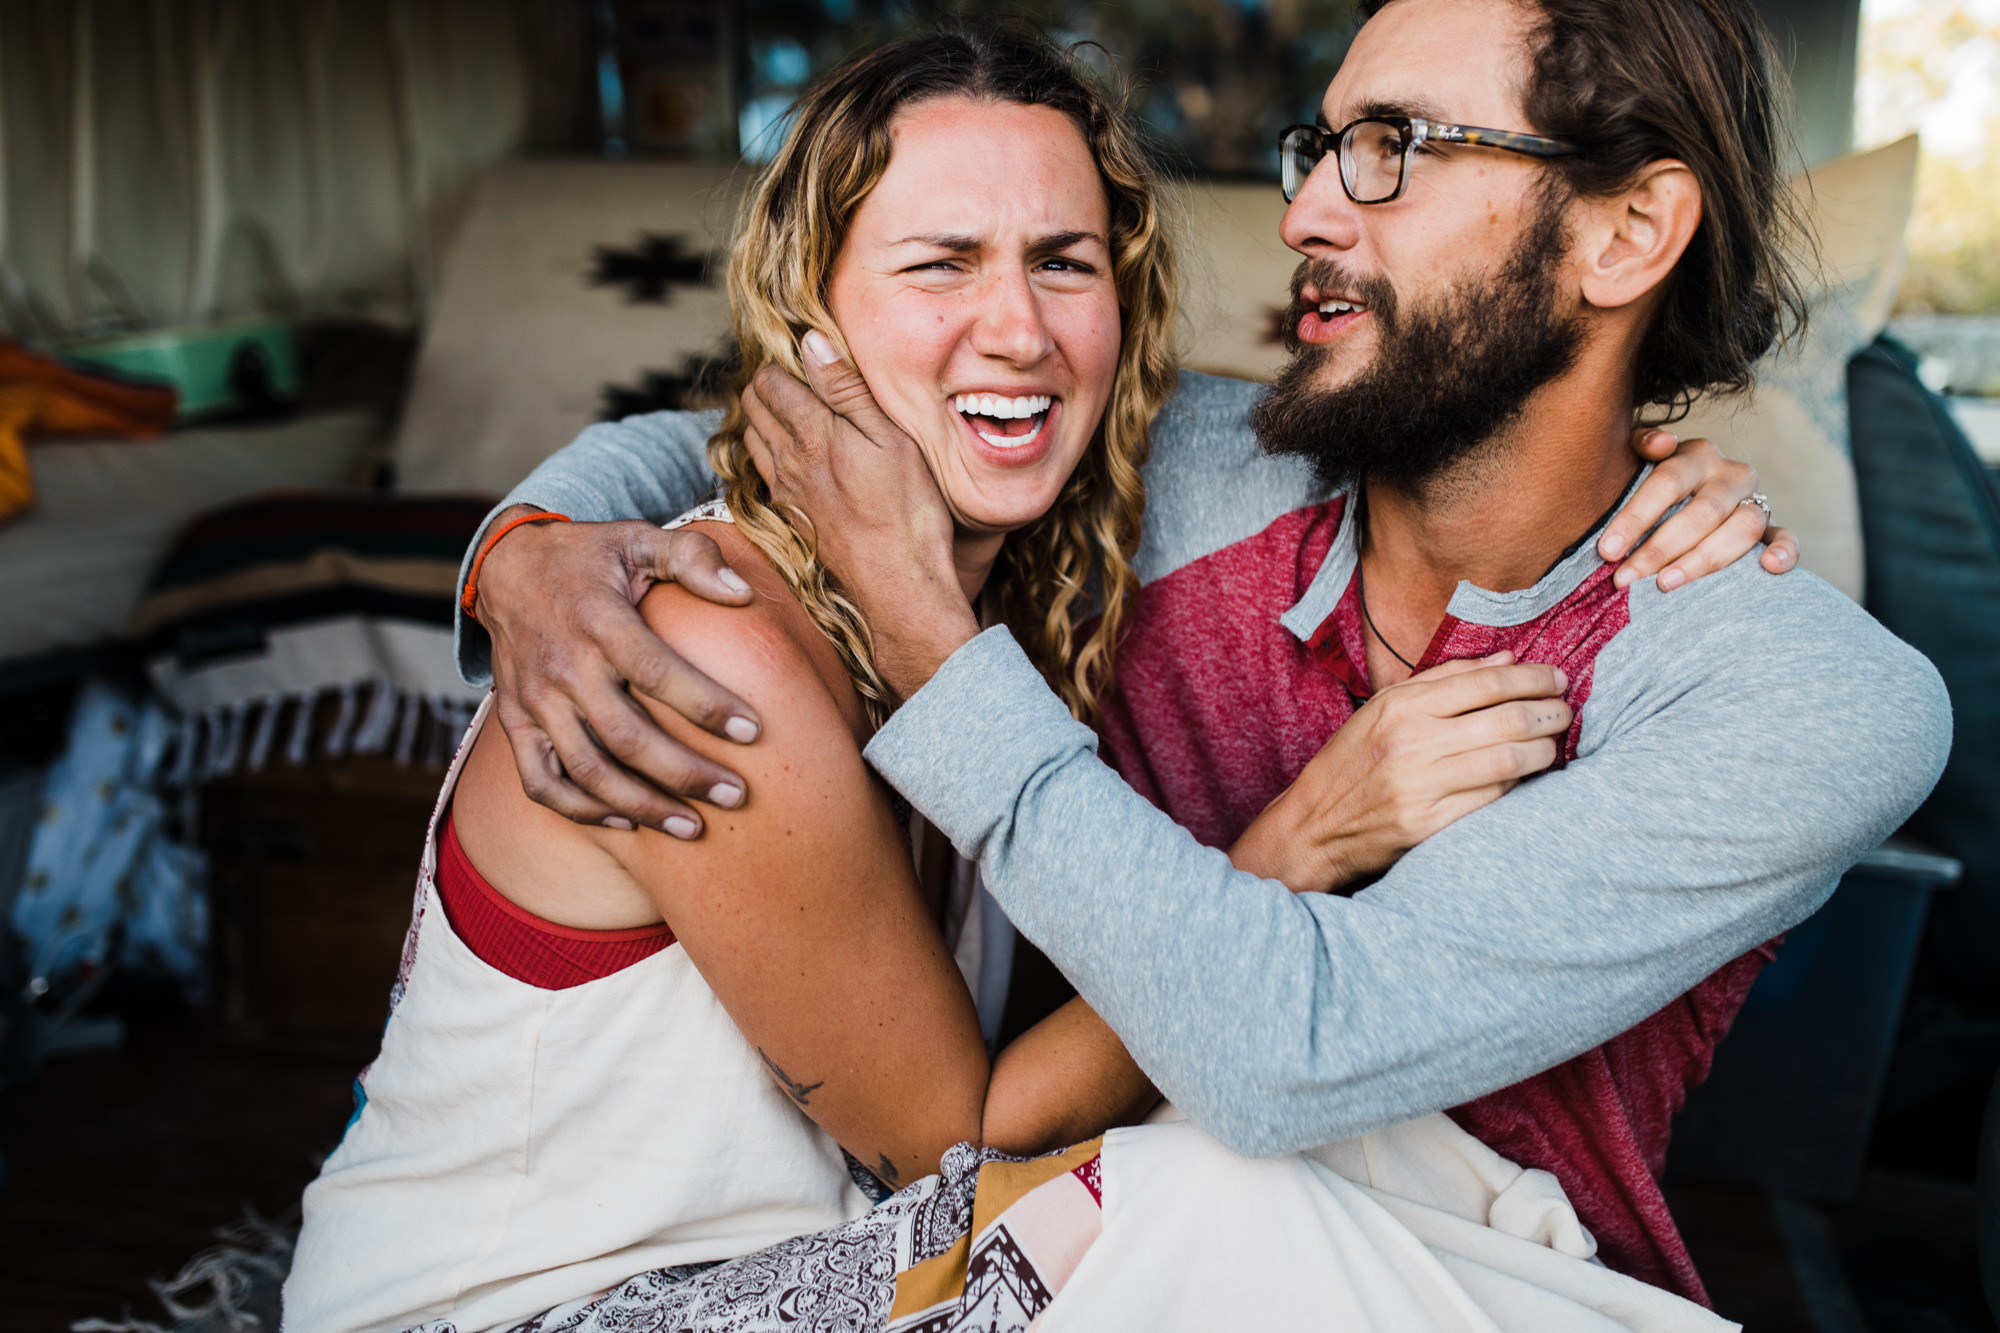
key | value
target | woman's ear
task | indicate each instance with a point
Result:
(1630, 241)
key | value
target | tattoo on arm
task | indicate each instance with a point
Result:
(887, 1170)
(800, 1093)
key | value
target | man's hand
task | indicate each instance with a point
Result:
(559, 601)
(874, 510)
(1419, 755)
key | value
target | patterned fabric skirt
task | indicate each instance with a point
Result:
(1418, 1228)
(985, 1244)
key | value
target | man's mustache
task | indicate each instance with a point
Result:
(1329, 275)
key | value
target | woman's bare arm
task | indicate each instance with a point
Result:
(801, 907)
(1066, 1079)
(802, 910)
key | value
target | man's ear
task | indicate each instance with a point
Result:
(1630, 241)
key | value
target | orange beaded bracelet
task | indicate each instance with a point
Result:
(471, 594)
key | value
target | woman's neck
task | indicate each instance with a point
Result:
(973, 555)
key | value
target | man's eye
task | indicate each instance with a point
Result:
(1064, 264)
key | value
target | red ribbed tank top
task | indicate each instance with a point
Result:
(513, 940)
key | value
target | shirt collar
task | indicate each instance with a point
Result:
(1470, 602)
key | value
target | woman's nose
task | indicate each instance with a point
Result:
(1010, 323)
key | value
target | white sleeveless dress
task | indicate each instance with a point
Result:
(518, 1148)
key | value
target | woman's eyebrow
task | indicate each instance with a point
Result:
(943, 241)
(1059, 240)
(1063, 240)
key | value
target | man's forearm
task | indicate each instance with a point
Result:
(1517, 938)
(652, 467)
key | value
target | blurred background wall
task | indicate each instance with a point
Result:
(167, 161)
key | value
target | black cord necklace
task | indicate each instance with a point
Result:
(1361, 588)
(1361, 583)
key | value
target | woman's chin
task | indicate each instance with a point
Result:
(998, 510)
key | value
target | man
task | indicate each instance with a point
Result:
(1530, 221)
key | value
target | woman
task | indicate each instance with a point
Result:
(615, 1053)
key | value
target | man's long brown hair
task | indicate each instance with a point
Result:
(1632, 82)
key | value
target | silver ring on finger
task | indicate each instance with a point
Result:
(1761, 500)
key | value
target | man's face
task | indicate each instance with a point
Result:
(1421, 326)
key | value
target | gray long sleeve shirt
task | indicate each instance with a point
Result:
(1739, 743)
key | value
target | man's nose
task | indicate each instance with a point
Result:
(1322, 217)
(1010, 324)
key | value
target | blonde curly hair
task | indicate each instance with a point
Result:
(1076, 559)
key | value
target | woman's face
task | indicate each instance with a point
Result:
(974, 291)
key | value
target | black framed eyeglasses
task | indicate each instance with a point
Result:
(1375, 152)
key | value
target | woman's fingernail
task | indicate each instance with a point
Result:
(619, 822)
(680, 826)
(740, 729)
(731, 580)
(1562, 680)
(1669, 437)
(726, 794)
(1612, 546)
(1671, 579)
(820, 347)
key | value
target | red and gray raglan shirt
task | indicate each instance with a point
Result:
(1556, 968)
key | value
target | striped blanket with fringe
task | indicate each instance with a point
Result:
(262, 608)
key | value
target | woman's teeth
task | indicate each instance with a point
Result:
(1002, 409)
(1031, 410)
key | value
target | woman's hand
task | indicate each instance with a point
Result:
(1712, 531)
(1418, 755)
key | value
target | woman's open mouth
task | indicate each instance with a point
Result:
(1004, 423)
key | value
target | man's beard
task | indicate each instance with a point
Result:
(1445, 379)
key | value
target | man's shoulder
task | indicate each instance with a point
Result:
(1747, 630)
(1746, 604)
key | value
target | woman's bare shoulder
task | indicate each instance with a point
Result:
(811, 798)
(769, 653)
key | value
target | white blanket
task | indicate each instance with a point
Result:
(1418, 1227)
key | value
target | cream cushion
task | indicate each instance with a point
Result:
(521, 344)
(1793, 425)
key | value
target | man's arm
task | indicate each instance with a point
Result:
(558, 601)
(1707, 811)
